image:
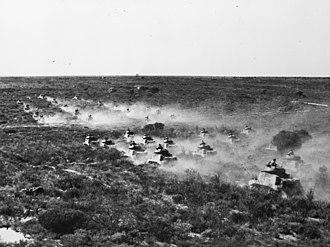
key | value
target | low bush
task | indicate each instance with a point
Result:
(286, 140)
(308, 231)
(155, 129)
(154, 90)
(62, 221)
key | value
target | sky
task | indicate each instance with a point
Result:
(165, 37)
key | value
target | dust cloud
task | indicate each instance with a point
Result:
(237, 162)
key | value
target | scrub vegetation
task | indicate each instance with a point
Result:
(95, 196)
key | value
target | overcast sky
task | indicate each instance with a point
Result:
(165, 37)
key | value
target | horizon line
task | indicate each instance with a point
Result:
(149, 75)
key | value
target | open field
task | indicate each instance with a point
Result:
(96, 196)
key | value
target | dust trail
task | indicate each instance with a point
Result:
(237, 162)
(110, 115)
(316, 151)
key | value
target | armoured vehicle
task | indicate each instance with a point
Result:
(136, 150)
(203, 133)
(147, 139)
(129, 135)
(27, 108)
(295, 165)
(277, 179)
(91, 140)
(247, 130)
(162, 156)
(271, 147)
(168, 143)
(106, 142)
(231, 138)
(204, 150)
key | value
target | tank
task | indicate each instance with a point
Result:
(271, 147)
(106, 142)
(136, 150)
(277, 179)
(247, 130)
(232, 139)
(162, 156)
(203, 133)
(292, 162)
(41, 96)
(36, 115)
(147, 139)
(204, 150)
(27, 108)
(129, 135)
(168, 143)
(297, 167)
(90, 140)
(90, 118)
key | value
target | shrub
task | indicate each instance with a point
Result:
(70, 181)
(62, 221)
(304, 135)
(79, 238)
(143, 88)
(303, 206)
(300, 94)
(286, 140)
(71, 194)
(154, 90)
(161, 228)
(309, 231)
(155, 129)
(239, 217)
(225, 130)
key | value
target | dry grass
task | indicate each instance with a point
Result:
(108, 201)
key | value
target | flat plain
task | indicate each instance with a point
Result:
(96, 196)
